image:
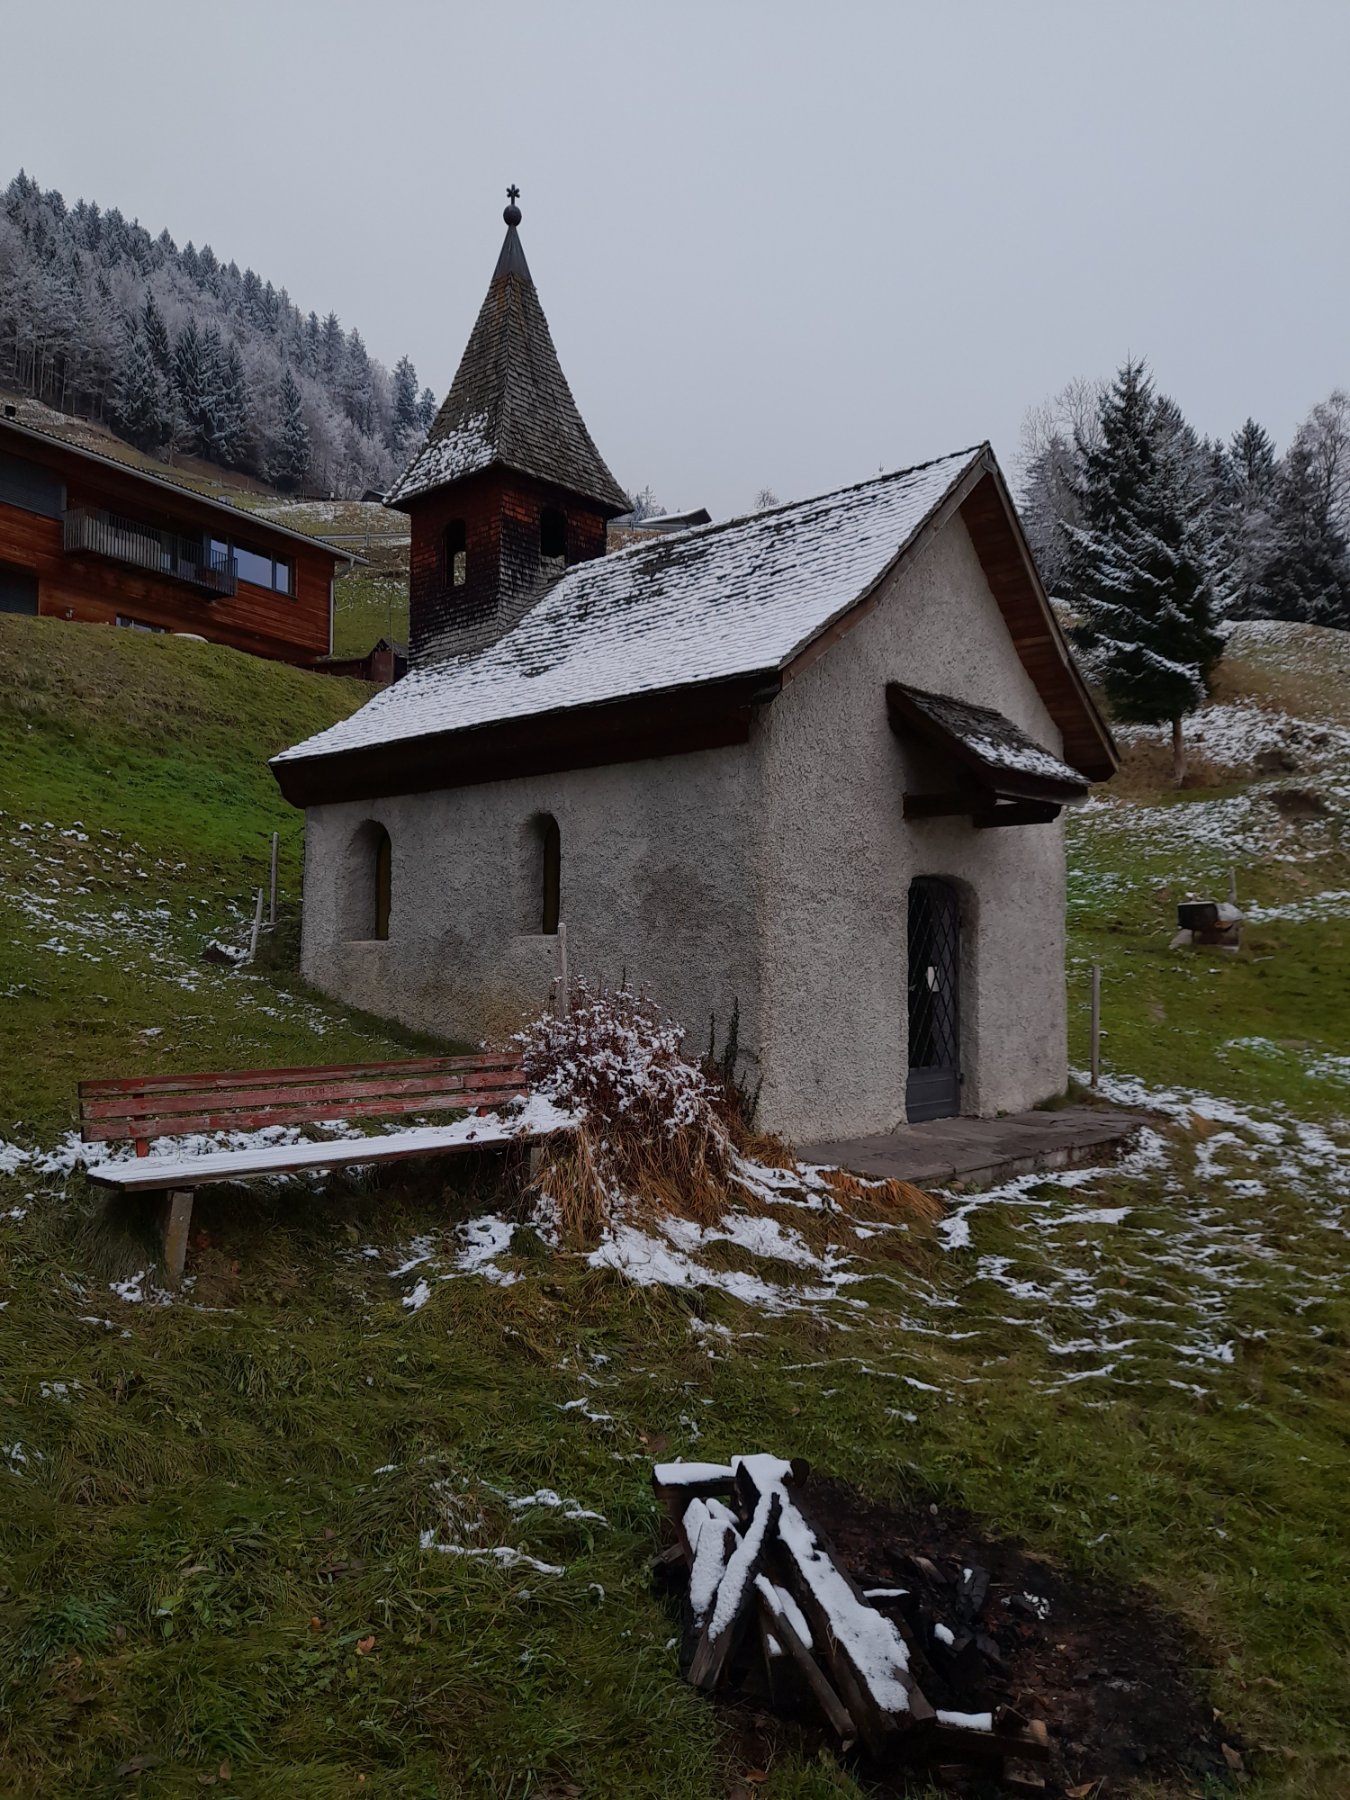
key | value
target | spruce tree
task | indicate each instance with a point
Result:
(290, 464)
(157, 337)
(1245, 501)
(188, 381)
(1138, 572)
(426, 409)
(140, 409)
(403, 421)
(1308, 577)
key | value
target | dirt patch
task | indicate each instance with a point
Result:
(1117, 1683)
(1298, 803)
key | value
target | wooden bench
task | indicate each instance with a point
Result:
(158, 1106)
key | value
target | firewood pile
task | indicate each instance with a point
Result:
(768, 1608)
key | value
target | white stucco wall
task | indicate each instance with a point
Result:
(653, 884)
(837, 855)
(775, 874)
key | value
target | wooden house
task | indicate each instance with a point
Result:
(86, 537)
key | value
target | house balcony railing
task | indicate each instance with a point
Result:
(89, 533)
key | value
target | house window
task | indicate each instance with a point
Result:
(273, 572)
(138, 624)
(30, 486)
(456, 554)
(18, 590)
(553, 535)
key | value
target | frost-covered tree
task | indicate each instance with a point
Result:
(1245, 480)
(1138, 571)
(403, 422)
(157, 336)
(140, 405)
(1308, 577)
(426, 409)
(290, 463)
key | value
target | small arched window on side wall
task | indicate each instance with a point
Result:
(455, 552)
(550, 860)
(384, 881)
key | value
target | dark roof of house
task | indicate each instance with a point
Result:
(745, 601)
(259, 523)
(509, 405)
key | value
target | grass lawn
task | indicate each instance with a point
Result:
(366, 608)
(326, 1524)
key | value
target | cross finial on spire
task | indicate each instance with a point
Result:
(512, 212)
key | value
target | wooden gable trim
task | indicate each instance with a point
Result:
(996, 531)
(981, 498)
(638, 729)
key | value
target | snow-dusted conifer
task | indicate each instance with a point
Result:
(290, 464)
(1138, 573)
(141, 408)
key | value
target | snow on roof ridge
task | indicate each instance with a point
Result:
(675, 611)
(785, 506)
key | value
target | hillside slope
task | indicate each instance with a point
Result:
(136, 827)
(366, 1508)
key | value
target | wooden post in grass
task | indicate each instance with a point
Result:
(272, 908)
(1096, 1023)
(564, 995)
(257, 927)
(1232, 883)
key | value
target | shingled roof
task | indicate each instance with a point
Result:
(722, 603)
(509, 405)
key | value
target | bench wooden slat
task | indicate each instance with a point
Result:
(102, 1131)
(132, 1107)
(158, 1172)
(241, 1078)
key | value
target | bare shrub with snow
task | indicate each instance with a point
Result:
(651, 1123)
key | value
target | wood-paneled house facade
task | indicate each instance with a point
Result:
(91, 539)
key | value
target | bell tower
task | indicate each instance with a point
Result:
(509, 488)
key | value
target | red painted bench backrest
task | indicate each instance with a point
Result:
(246, 1099)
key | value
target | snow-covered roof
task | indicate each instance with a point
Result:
(705, 605)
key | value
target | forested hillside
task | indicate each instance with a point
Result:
(181, 351)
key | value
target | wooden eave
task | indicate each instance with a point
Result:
(1001, 784)
(982, 500)
(705, 716)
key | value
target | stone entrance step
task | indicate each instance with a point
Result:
(942, 1151)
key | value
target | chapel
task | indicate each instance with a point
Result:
(808, 766)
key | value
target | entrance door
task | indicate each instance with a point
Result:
(933, 1090)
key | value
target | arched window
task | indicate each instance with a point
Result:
(384, 881)
(551, 845)
(365, 884)
(553, 534)
(455, 554)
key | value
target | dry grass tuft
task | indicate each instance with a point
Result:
(883, 1201)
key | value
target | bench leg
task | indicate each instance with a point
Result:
(177, 1220)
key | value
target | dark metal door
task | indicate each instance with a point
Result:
(933, 1090)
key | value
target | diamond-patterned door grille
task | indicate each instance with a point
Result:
(933, 1087)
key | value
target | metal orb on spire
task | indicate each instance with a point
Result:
(512, 212)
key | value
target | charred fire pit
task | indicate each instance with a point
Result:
(911, 1640)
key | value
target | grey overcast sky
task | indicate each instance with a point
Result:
(779, 244)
